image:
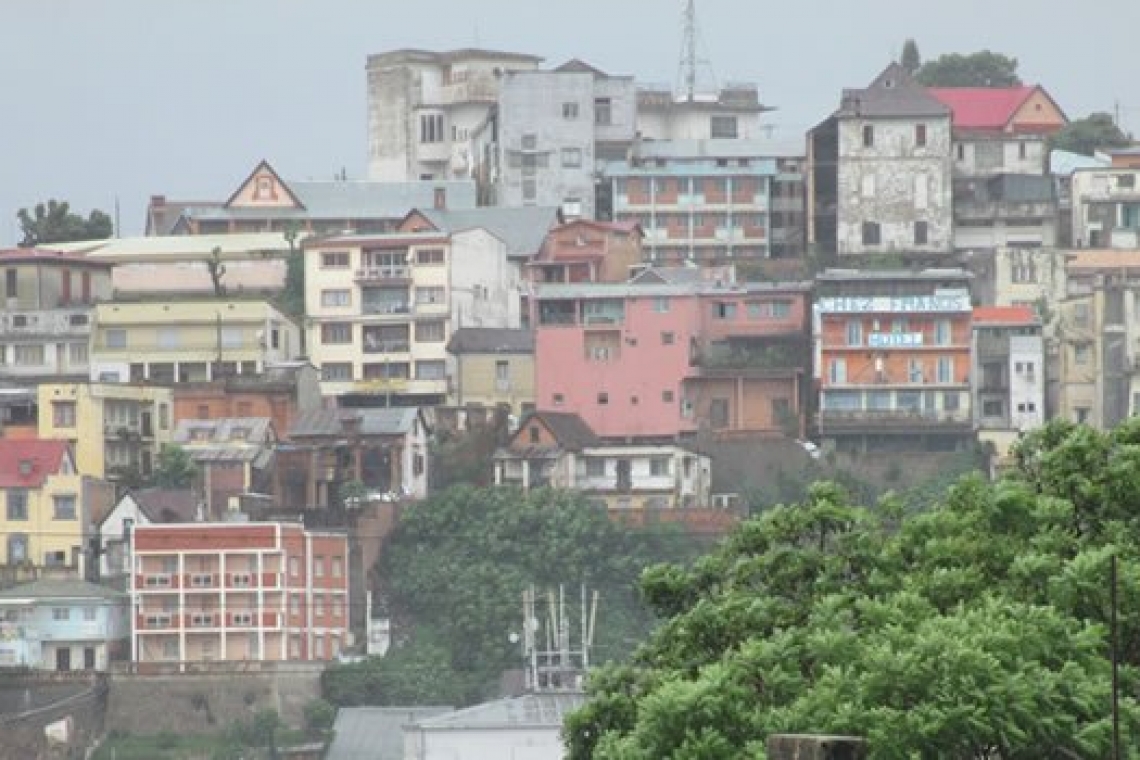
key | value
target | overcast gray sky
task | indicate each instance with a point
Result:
(107, 99)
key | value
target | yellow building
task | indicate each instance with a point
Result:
(111, 426)
(493, 366)
(190, 340)
(43, 512)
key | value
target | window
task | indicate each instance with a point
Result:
(572, 157)
(661, 304)
(336, 333)
(871, 233)
(921, 233)
(668, 338)
(431, 128)
(1082, 353)
(430, 332)
(961, 152)
(920, 135)
(942, 332)
(659, 467)
(318, 605)
(331, 299)
(854, 332)
(63, 414)
(170, 338)
(64, 507)
(17, 504)
(89, 614)
(337, 607)
(603, 112)
(723, 127)
(60, 613)
(530, 142)
(868, 136)
(264, 189)
(868, 185)
(914, 370)
(837, 371)
(318, 566)
(945, 369)
(232, 337)
(334, 260)
(950, 401)
(1081, 414)
(570, 110)
(603, 398)
(430, 295)
(336, 371)
(431, 370)
(294, 567)
(77, 354)
(115, 338)
(1028, 406)
(1021, 150)
(667, 396)
(595, 467)
(429, 256)
(993, 408)
(502, 374)
(1081, 315)
(572, 208)
(11, 281)
(557, 399)
(724, 310)
(30, 356)
(163, 417)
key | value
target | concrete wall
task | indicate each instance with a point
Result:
(485, 287)
(208, 703)
(28, 708)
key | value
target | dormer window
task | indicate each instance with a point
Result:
(263, 189)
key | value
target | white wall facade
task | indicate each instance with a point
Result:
(486, 287)
(1007, 154)
(1026, 381)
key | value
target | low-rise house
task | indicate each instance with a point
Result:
(63, 625)
(493, 366)
(386, 450)
(192, 340)
(238, 591)
(1106, 207)
(587, 251)
(144, 506)
(281, 393)
(1008, 375)
(45, 326)
(43, 517)
(558, 450)
(234, 455)
(113, 428)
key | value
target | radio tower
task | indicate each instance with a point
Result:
(694, 74)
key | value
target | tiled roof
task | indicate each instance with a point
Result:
(570, 430)
(894, 93)
(988, 108)
(39, 459)
(491, 340)
(1005, 315)
(53, 588)
(167, 505)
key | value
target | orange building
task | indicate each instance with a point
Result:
(238, 591)
(281, 393)
(893, 359)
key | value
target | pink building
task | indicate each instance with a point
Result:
(237, 591)
(672, 352)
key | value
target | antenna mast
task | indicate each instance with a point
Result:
(688, 73)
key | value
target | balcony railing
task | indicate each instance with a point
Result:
(383, 273)
(727, 358)
(381, 346)
(391, 308)
(838, 418)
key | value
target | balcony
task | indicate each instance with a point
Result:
(391, 273)
(475, 90)
(387, 346)
(892, 420)
(386, 308)
(716, 359)
(45, 323)
(1040, 212)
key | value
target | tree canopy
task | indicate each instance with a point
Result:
(54, 222)
(452, 577)
(975, 629)
(173, 468)
(982, 69)
(1087, 135)
(910, 60)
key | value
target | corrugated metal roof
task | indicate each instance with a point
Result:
(528, 710)
(375, 733)
(353, 199)
(894, 93)
(491, 340)
(246, 431)
(175, 247)
(988, 108)
(331, 422)
(522, 229)
(52, 588)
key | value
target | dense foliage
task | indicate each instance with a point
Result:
(453, 574)
(54, 222)
(982, 69)
(1094, 132)
(977, 628)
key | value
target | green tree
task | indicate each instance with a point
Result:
(174, 468)
(910, 60)
(54, 222)
(982, 69)
(217, 271)
(292, 298)
(1087, 135)
(974, 628)
(451, 579)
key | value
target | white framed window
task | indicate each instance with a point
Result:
(336, 333)
(571, 157)
(945, 369)
(336, 371)
(334, 260)
(115, 338)
(854, 332)
(430, 332)
(659, 467)
(336, 298)
(435, 369)
(837, 371)
(570, 110)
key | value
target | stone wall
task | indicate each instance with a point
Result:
(76, 720)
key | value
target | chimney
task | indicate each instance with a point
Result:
(157, 200)
(439, 200)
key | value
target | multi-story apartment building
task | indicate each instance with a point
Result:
(425, 107)
(1008, 375)
(264, 202)
(44, 514)
(550, 127)
(556, 449)
(672, 353)
(382, 308)
(493, 367)
(1098, 341)
(62, 625)
(880, 171)
(893, 363)
(192, 340)
(588, 251)
(705, 202)
(1106, 207)
(111, 426)
(730, 112)
(45, 325)
(282, 392)
(238, 591)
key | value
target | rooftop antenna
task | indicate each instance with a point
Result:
(692, 65)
